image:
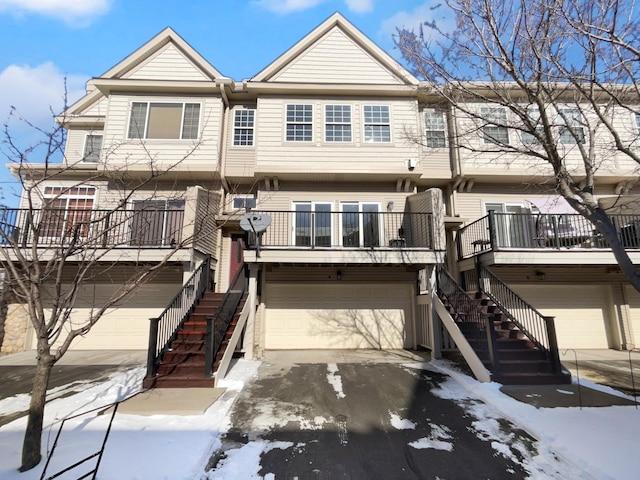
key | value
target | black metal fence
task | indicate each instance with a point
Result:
(327, 229)
(164, 327)
(538, 328)
(218, 324)
(106, 228)
(541, 231)
(474, 323)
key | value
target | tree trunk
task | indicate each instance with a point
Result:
(608, 230)
(31, 445)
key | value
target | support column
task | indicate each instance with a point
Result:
(249, 332)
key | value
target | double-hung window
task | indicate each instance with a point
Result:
(434, 128)
(299, 123)
(572, 126)
(164, 120)
(637, 117)
(528, 138)
(338, 123)
(243, 127)
(66, 212)
(495, 130)
(92, 147)
(377, 124)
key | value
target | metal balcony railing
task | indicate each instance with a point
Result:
(327, 229)
(98, 228)
(541, 231)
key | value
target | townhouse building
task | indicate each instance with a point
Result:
(327, 192)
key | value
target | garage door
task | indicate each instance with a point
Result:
(123, 327)
(633, 297)
(580, 311)
(336, 316)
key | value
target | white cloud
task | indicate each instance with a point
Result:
(78, 12)
(36, 92)
(288, 6)
(360, 6)
(432, 11)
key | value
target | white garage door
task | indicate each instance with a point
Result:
(336, 316)
(580, 311)
(125, 327)
(633, 297)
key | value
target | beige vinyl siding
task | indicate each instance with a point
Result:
(337, 315)
(275, 155)
(336, 58)
(169, 63)
(207, 233)
(190, 154)
(98, 109)
(222, 281)
(581, 312)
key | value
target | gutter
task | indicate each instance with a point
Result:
(222, 148)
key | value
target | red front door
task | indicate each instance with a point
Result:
(237, 247)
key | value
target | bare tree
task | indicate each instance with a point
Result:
(562, 76)
(50, 248)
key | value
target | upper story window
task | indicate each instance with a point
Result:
(67, 211)
(572, 129)
(245, 203)
(299, 123)
(164, 120)
(637, 116)
(434, 128)
(92, 147)
(338, 123)
(377, 124)
(243, 125)
(534, 116)
(495, 130)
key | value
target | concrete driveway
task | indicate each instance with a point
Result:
(368, 415)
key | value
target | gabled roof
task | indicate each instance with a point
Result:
(166, 38)
(364, 60)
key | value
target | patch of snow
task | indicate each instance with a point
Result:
(244, 462)
(566, 392)
(335, 380)
(401, 423)
(315, 424)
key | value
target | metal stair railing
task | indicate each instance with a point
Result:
(163, 329)
(478, 327)
(538, 328)
(218, 324)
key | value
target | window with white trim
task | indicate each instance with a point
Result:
(360, 224)
(92, 147)
(243, 127)
(66, 211)
(164, 120)
(337, 123)
(299, 123)
(534, 116)
(312, 224)
(495, 130)
(637, 117)
(157, 222)
(434, 128)
(244, 203)
(377, 124)
(572, 126)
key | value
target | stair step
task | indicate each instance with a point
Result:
(182, 369)
(531, 378)
(178, 382)
(525, 366)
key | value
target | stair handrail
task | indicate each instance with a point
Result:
(538, 328)
(218, 323)
(163, 328)
(483, 334)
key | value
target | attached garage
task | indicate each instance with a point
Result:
(580, 311)
(337, 315)
(633, 298)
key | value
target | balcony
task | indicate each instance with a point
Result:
(345, 238)
(133, 230)
(532, 238)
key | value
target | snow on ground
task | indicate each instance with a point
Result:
(334, 379)
(602, 442)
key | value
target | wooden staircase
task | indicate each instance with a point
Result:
(520, 361)
(183, 364)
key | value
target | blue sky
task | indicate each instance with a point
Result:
(45, 41)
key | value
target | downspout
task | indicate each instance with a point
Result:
(222, 151)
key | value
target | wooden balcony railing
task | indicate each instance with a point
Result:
(147, 228)
(326, 229)
(498, 231)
